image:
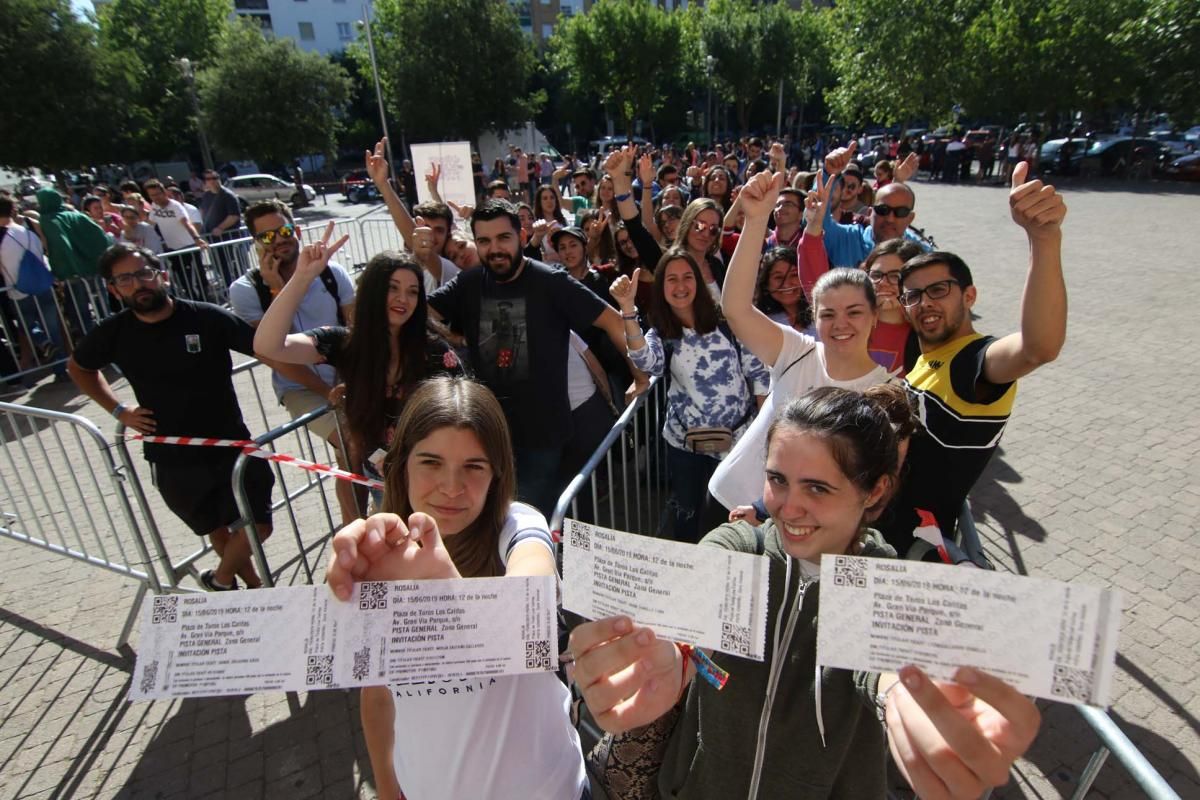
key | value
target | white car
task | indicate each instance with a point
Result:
(253, 188)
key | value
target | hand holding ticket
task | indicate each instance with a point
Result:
(1046, 638)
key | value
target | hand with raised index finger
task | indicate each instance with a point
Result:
(1036, 207)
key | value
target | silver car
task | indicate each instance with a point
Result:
(253, 188)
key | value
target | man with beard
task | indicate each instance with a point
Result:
(175, 355)
(963, 384)
(517, 315)
(329, 301)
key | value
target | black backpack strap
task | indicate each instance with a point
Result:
(329, 280)
(260, 288)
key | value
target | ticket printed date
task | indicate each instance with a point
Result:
(303, 638)
(704, 596)
(1047, 638)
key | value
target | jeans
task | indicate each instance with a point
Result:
(40, 315)
(538, 481)
(688, 475)
(80, 308)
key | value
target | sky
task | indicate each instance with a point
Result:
(81, 6)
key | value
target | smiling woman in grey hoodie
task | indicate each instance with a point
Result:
(784, 727)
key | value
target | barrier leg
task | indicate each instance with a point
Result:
(127, 628)
(1090, 772)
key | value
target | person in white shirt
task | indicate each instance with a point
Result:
(193, 213)
(449, 513)
(171, 218)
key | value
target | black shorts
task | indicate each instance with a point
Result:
(201, 493)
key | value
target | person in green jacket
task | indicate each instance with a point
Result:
(785, 727)
(74, 244)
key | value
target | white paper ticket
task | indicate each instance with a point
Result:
(303, 638)
(704, 596)
(1046, 638)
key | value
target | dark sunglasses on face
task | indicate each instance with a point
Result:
(127, 279)
(884, 210)
(704, 227)
(286, 231)
(934, 291)
(878, 276)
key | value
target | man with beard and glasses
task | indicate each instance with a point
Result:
(175, 355)
(517, 315)
(328, 301)
(963, 384)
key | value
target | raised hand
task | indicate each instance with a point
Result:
(376, 162)
(627, 675)
(956, 740)
(837, 160)
(433, 176)
(596, 227)
(383, 547)
(1035, 206)
(778, 156)
(540, 228)
(422, 243)
(758, 195)
(463, 211)
(617, 165)
(624, 290)
(815, 205)
(646, 169)
(314, 258)
(906, 169)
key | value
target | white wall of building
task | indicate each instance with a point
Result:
(323, 26)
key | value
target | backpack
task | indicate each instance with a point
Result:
(33, 276)
(327, 279)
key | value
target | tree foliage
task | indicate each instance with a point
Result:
(452, 68)
(267, 99)
(1164, 43)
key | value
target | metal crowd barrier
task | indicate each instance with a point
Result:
(63, 492)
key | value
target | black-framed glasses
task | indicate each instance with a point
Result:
(285, 231)
(884, 210)
(934, 291)
(879, 276)
(127, 279)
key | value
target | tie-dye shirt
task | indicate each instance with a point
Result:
(709, 381)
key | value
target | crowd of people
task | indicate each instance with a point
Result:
(825, 393)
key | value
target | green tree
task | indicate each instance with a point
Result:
(55, 106)
(267, 99)
(452, 68)
(147, 38)
(1164, 43)
(624, 53)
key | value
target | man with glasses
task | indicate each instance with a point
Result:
(789, 213)
(849, 204)
(219, 209)
(963, 384)
(329, 301)
(175, 355)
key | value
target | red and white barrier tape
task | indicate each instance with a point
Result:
(248, 447)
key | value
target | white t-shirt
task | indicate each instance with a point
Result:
(738, 480)
(448, 272)
(194, 215)
(580, 384)
(170, 221)
(503, 738)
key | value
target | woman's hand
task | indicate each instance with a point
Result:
(758, 196)
(646, 170)
(624, 290)
(815, 205)
(314, 258)
(956, 740)
(627, 675)
(383, 548)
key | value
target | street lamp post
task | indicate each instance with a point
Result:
(189, 76)
(365, 23)
(709, 122)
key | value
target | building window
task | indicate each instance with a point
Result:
(306, 32)
(566, 9)
(344, 31)
(250, 5)
(547, 30)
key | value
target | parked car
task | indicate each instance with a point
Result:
(869, 155)
(253, 188)
(1192, 134)
(358, 187)
(1121, 154)
(1052, 160)
(1184, 169)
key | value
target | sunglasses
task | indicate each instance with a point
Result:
(934, 291)
(285, 231)
(884, 210)
(127, 279)
(704, 227)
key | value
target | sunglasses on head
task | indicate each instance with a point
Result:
(884, 210)
(286, 231)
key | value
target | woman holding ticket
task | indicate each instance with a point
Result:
(786, 727)
(449, 489)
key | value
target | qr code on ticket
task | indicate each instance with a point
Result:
(319, 671)
(149, 677)
(580, 536)
(1072, 683)
(362, 664)
(735, 638)
(164, 610)
(372, 595)
(850, 572)
(537, 654)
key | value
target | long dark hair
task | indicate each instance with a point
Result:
(538, 213)
(704, 311)
(762, 291)
(367, 353)
(724, 200)
(446, 402)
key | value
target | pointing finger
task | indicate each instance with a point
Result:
(337, 245)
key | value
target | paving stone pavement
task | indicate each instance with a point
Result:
(1097, 480)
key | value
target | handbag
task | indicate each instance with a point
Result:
(33, 276)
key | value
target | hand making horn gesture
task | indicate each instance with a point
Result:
(314, 258)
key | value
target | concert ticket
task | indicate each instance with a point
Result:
(303, 638)
(704, 596)
(1047, 638)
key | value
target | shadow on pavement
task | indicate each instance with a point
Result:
(990, 499)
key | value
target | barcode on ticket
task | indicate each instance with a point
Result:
(319, 671)
(362, 664)
(735, 638)
(537, 654)
(149, 677)
(1073, 684)
(850, 572)
(164, 610)
(372, 595)
(580, 536)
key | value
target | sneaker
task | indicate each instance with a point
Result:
(209, 581)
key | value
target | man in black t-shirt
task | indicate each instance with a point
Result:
(221, 212)
(516, 315)
(175, 355)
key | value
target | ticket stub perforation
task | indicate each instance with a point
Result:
(699, 595)
(1047, 638)
(303, 638)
